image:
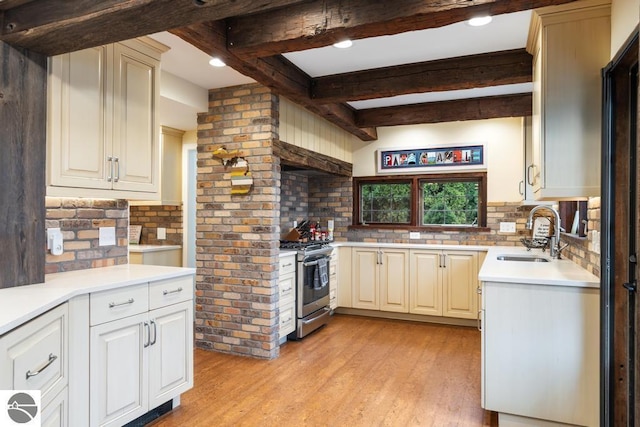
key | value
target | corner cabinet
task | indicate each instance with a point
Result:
(444, 283)
(570, 44)
(103, 130)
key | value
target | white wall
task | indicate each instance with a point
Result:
(504, 149)
(625, 15)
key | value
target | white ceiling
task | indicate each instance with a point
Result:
(505, 32)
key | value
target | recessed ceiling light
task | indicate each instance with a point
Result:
(479, 21)
(217, 62)
(343, 44)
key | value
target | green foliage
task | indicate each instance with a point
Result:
(454, 203)
(386, 203)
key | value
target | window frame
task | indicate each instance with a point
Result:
(415, 181)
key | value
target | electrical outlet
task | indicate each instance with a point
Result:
(107, 236)
(507, 227)
(414, 235)
(162, 233)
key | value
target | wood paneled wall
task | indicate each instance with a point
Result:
(304, 129)
(23, 79)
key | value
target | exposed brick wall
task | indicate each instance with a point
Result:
(294, 200)
(333, 196)
(153, 217)
(79, 221)
(237, 235)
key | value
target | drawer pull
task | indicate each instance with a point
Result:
(52, 358)
(118, 304)
(166, 292)
(286, 265)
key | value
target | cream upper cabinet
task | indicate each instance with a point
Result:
(444, 283)
(380, 279)
(570, 44)
(103, 133)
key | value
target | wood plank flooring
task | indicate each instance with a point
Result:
(356, 371)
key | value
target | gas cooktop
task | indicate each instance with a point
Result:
(307, 246)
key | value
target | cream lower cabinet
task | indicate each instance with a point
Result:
(380, 279)
(35, 356)
(103, 132)
(443, 283)
(287, 292)
(140, 349)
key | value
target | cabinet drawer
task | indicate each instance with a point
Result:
(170, 291)
(118, 303)
(287, 319)
(34, 356)
(287, 285)
(287, 265)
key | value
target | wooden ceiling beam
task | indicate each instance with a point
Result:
(321, 23)
(448, 111)
(475, 71)
(52, 27)
(275, 72)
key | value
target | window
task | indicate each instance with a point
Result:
(451, 201)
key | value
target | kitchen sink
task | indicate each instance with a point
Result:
(522, 258)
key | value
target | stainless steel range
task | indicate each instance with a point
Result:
(312, 286)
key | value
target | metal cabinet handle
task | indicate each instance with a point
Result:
(444, 260)
(529, 177)
(148, 330)
(479, 290)
(286, 265)
(520, 189)
(479, 321)
(118, 304)
(110, 176)
(166, 292)
(116, 178)
(380, 257)
(52, 358)
(155, 333)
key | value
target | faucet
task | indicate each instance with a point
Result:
(555, 239)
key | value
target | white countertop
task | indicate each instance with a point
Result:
(22, 303)
(410, 246)
(556, 272)
(152, 248)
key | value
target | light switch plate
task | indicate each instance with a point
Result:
(414, 235)
(107, 236)
(162, 233)
(507, 227)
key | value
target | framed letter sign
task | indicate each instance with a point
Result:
(432, 159)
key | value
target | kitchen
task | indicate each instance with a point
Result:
(266, 241)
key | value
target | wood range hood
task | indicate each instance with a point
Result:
(228, 29)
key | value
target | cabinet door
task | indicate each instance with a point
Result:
(79, 119)
(56, 413)
(394, 280)
(425, 289)
(118, 371)
(534, 169)
(365, 288)
(170, 352)
(135, 131)
(460, 284)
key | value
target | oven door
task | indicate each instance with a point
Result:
(313, 284)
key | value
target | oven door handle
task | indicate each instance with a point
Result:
(310, 264)
(321, 313)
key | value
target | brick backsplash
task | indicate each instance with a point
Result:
(153, 217)
(237, 234)
(292, 206)
(331, 197)
(79, 221)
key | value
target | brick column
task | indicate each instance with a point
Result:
(237, 234)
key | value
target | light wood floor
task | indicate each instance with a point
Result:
(356, 371)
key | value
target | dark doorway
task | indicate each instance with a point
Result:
(620, 237)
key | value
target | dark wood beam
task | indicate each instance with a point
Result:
(274, 72)
(448, 111)
(323, 22)
(52, 27)
(490, 69)
(299, 157)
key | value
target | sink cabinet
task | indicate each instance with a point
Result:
(540, 353)
(570, 45)
(103, 132)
